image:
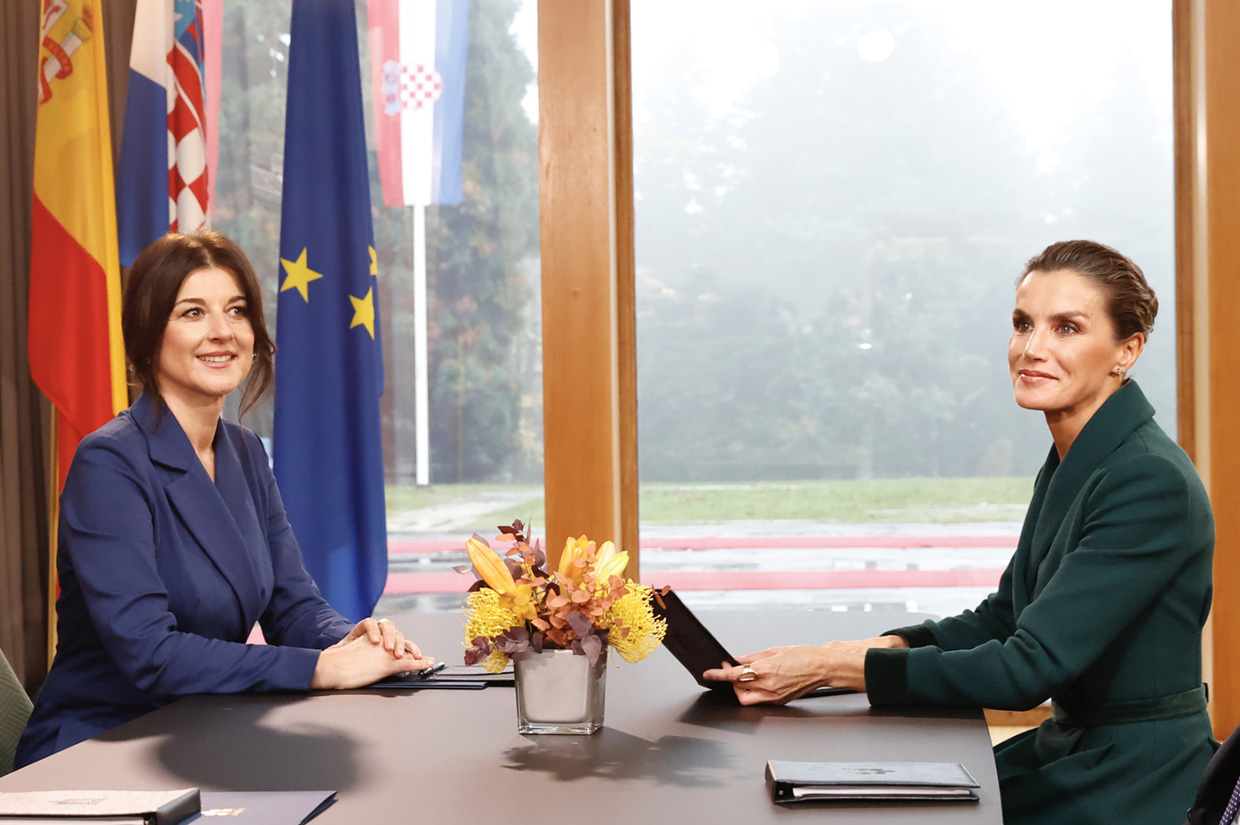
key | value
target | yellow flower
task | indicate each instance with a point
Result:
(520, 600)
(635, 630)
(574, 549)
(613, 566)
(487, 617)
(490, 566)
(605, 552)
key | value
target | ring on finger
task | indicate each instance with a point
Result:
(748, 674)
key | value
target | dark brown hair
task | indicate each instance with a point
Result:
(151, 292)
(1131, 303)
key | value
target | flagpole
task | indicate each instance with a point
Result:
(421, 381)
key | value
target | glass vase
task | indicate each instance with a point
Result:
(560, 692)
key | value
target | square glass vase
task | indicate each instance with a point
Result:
(560, 692)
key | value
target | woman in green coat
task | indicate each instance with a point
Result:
(1102, 605)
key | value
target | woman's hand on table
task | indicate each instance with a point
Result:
(383, 632)
(358, 661)
(780, 674)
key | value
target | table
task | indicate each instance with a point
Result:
(669, 751)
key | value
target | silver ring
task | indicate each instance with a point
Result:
(378, 621)
(748, 674)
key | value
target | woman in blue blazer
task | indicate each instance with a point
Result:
(1102, 605)
(173, 540)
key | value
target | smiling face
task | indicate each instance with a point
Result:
(208, 344)
(1063, 353)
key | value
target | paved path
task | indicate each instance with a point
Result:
(933, 568)
(447, 518)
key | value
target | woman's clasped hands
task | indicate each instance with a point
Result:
(374, 649)
(780, 674)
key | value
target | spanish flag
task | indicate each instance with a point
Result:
(76, 356)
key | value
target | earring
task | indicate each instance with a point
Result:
(1119, 371)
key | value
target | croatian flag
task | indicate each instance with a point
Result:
(418, 50)
(161, 185)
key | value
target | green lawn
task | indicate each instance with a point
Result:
(915, 500)
(401, 497)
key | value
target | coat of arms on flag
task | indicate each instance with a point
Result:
(61, 41)
(418, 50)
(405, 86)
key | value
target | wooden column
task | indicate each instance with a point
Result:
(586, 199)
(1208, 274)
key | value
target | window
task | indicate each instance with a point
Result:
(485, 391)
(833, 203)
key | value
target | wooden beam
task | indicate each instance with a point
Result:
(586, 201)
(1186, 192)
(1208, 257)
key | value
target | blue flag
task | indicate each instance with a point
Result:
(329, 371)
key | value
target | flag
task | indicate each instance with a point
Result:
(418, 50)
(213, 81)
(74, 336)
(328, 454)
(163, 162)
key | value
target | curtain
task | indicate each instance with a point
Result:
(24, 417)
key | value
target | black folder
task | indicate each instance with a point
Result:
(697, 649)
(263, 807)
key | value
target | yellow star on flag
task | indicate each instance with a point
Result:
(364, 312)
(374, 263)
(299, 276)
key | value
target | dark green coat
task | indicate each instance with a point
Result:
(1101, 609)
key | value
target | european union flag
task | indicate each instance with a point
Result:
(329, 372)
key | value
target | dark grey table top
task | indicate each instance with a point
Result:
(668, 751)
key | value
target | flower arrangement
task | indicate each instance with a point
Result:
(516, 608)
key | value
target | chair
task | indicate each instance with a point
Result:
(15, 709)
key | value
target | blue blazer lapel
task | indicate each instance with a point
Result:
(234, 492)
(204, 510)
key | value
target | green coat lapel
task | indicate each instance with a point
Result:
(1060, 483)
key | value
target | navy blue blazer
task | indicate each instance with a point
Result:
(162, 576)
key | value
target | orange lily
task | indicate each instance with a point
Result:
(490, 566)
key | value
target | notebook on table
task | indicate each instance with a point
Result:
(793, 782)
(179, 807)
(447, 677)
(115, 807)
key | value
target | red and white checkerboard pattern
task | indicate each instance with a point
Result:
(187, 145)
(420, 86)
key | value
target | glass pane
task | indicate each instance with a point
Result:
(834, 201)
(484, 358)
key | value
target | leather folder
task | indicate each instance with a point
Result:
(144, 807)
(799, 782)
(697, 649)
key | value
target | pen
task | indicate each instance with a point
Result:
(429, 672)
